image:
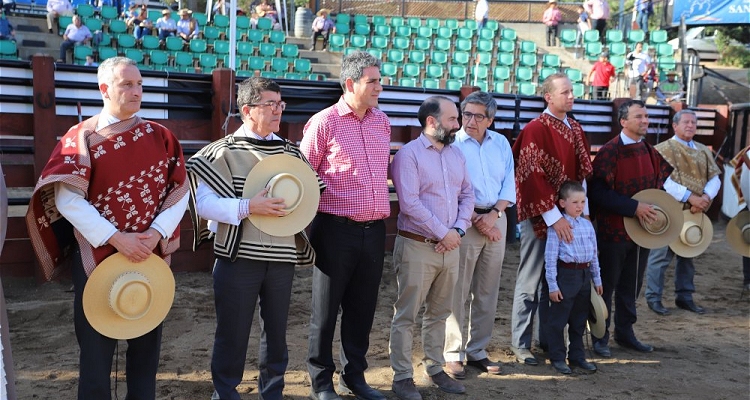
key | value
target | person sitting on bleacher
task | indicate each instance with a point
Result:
(140, 23)
(6, 29)
(56, 8)
(75, 34)
(669, 90)
(8, 5)
(187, 26)
(166, 25)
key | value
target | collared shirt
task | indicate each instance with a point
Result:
(77, 34)
(59, 6)
(322, 24)
(166, 23)
(97, 230)
(490, 166)
(183, 26)
(433, 187)
(217, 209)
(482, 10)
(598, 9)
(581, 250)
(351, 156)
(639, 64)
(551, 16)
(680, 192)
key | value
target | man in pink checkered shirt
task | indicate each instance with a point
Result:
(348, 145)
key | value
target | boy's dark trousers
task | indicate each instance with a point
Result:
(573, 310)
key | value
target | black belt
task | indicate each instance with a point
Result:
(482, 210)
(568, 265)
(348, 221)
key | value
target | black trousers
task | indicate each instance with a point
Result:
(573, 310)
(318, 34)
(622, 268)
(97, 351)
(346, 277)
(551, 35)
(601, 92)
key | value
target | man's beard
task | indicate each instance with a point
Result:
(444, 135)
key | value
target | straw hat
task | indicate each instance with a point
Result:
(695, 235)
(597, 315)
(288, 178)
(668, 222)
(125, 300)
(323, 10)
(166, 11)
(184, 11)
(738, 233)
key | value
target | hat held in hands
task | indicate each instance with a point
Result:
(667, 226)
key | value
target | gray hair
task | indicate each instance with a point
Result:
(251, 90)
(483, 99)
(678, 115)
(106, 71)
(353, 65)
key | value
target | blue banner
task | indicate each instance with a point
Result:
(711, 12)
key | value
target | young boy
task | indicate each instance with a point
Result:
(569, 269)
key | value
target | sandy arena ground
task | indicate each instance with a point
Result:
(696, 356)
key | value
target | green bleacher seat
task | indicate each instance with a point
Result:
(461, 58)
(342, 29)
(279, 65)
(377, 53)
(500, 87)
(434, 71)
(221, 47)
(207, 63)
(506, 46)
(277, 37)
(545, 72)
(422, 44)
(488, 34)
(485, 45)
(614, 36)
(106, 40)
(316, 77)
(198, 46)
(433, 23)
(505, 59)
(247, 48)
(492, 25)
(593, 50)
(269, 74)
(527, 46)
(94, 24)
(212, 33)
(666, 63)
(463, 45)
(184, 61)
(414, 22)
(425, 32)
(117, 26)
(336, 42)
(407, 82)
(439, 57)
(222, 21)
(389, 69)
(442, 44)
(243, 23)
(201, 18)
(80, 53)
(664, 50)
(294, 76)
(8, 50)
(264, 24)
(457, 72)
(501, 73)
(658, 36)
(289, 50)
(264, 49)
(382, 30)
(358, 41)
(153, 15)
(483, 58)
(635, 36)
(361, 19)
(133, 54)
(465, 33)
(106, 52)
(482, 85)
(397, 21)
(395, 56)
(343, 18)
(508, 34)
(63, 21)
(574, 74)
(402, 31)
(256, 63)
(551, 60)
(479, 72)
(527, 89)
(125, 40)
(253, 35)
(451, 23)
(400, 43)
(590, 36)
(225, 62)
(431, 83)
(444, 32)
(617, 61)
(149, 42)
(527, 59)
(362, 29)
(524, 74)
(245, 74)
(108, 13)
(470, 23)
(579, 89)
(303, 65)
(417, 56)
(85, 10)
(157, 58)
(174, 43)
(411, 70)
(453, 84)
(568, 37)
(378, 20)
(617, 49)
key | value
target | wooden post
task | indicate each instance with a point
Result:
(45, 114)
(223, 102)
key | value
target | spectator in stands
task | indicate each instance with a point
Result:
(551, 18)
(220, 8)
(166, 25)
(603, 73)
(599, 13)
(75, 34)
(669, 90)
(131, 12)
(640, 67)
(6, 29)
(56, 8)
(645, 10)
(321, 26)
(90, 61)
(187, 26)
(584, 24)
(267, 10)
(481, 14)
(8, 5)
(140, 23)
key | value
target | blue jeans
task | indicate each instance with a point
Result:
(140, 31)
(642, 20)
(658, 261)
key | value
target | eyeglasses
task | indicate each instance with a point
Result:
(275, 105)
(477, 117)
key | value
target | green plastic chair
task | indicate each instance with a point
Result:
(526, 89)
(666, 63)
(362, 29)
(108, 13)
(417, 56)
(403, 31)
(613, 36)
(451, 23)
(279, 65)
(336, 42)
(492, 25)
(545, 72)
(442, 44)
(382, 30)
(463, 45)
(397, 21)
(664, 50)
(527, 46)
(485, 45)
(460, 57)
(506, 46)
(221, 21)
(551, 60)
(457, 72)
(198, 46)
(342, 29)
(94, 24)
(211, 33)
(439, 57)
(431, 83)
(433, 23)
(207, 62)
(256, 63)
(378, 20)
(317, 77)
(247, 48)
(593, 50)
(106, 40)
(63, 21)
(411, 70)
(294, 75)
(264, 24)
(150, 42)
(487, 34)
(465, 33)
(414, 22)
(590, 36)
(635, 36)
(425, 32)
(106, 52)
(85, 10)
(453, 84)
(158, 58)
(133, 54)
(470, 24)
(617, 61)
(201, 18)
(617, 49)
(377, 53)
(221, 47)
(245, 73)
(500, 87)
(524, 74)
(264, 49)
(479, 71)
(401, 43)
(358, 41)
(117, 26)
(579, 89)
(527, 60)
(9, 50)
(444, 32)
(482, 85)
(174, 43)
(277, 37)
(407, 82)
(302, 65)
(575, 75)
(290, 51)
(508, 34)
(434, 71)
(505, 59)
(395, 56)
(422, 44)
(80, 53)
(389, 69)
(483, 58)
(184, 61)
(342, 18)
(658, 36)
(350, 50)
(269, 74)
(153, 15)
(125, 40)
(501, 73)
(568, 38)
(243, 23)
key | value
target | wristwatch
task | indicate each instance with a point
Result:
(499, 213)
(460, 231)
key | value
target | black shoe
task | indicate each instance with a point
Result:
(584, 365)
(634, 344)
(485, 365)
(561, 367)
(362, 391)
(658, 308)
(325, 395)
(50, 30)
(690, 306)
(601, 348)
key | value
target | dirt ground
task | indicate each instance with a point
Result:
(696, 356)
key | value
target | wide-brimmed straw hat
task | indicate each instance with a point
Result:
(597, 315)
(738, 233)
(695, 235)
(288, 178)
(323, 10)
(166, 11)
(668, 222)
(125, 300)
(184, 11)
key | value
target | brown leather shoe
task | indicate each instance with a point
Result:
(455, 369)
(485, 365)
(447, 384)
